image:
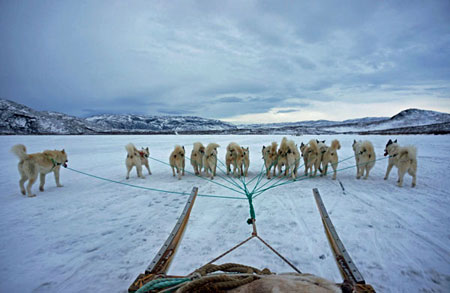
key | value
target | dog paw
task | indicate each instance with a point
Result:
(334, 178)
(60, 185)
(127, 177)
(358, 177)
(23, 192)
(413, 185)
(365, 178)
(32, 195)
(41, 188)
(385, 178)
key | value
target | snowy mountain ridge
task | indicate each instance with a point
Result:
(19, 119)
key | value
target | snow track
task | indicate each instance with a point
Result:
(98, 236)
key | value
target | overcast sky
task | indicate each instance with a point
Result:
(239, 61)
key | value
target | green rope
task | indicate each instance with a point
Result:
(225, 173)
(161, 284)
(152, 189)
(212, 181)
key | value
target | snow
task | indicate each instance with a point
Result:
(97, 236)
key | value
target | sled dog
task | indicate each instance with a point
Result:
(137, 158)
(313, 157)
(270, 156)
(304, 151)
(404, 158)
(331, 156)
(32, 165)
(177, 161)
(282, 157)
(245, 161)
(197, 157)
(322, 149)
(235, 157)
(293, 158)
(364, 156)
(210, 159)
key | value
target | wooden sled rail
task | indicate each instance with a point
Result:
(350, 273)
(161, 262)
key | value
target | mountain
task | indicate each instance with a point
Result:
(19, 119)
(146, 123)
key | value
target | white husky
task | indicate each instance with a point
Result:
(197, 157)
(404, 158)
(137, 158)
(293, 158)
(210, 159)
(364, 156)
(270, 157)
(176, 160)
(235, 157)
(331, 156)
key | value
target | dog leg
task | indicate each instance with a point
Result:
(56, 173)
(389, 168)
(334, 166)
(179, 173)
(128, 171)
(30, 184)
(367, 172)
(21, 183)
(413, 174)
(183, 165)
(401, 174)
(42, 182)
(139, 171)
(173, 171)
(148, 168)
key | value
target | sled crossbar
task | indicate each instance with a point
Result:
(161, 262)
(345, 263)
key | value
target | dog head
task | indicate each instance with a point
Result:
(144, 153)
(390, 147)
(61, 158)
(245, 152)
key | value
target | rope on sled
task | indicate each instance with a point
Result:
(235, 275)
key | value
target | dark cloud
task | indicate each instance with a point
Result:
(220, 59)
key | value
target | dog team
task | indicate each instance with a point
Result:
(284, 160)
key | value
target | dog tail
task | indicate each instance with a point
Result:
(313, 145)
(335, 144)
(20, 151)
(410, 151)
(131, 149)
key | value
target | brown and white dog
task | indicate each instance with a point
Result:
(331, 156)
(235, 157)
(364, 156)
(177, 161)
(30, 166)
(197, 157)
(210, 159)
(404, 158)
(136, 158)
(270, 157)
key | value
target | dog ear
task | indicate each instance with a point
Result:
(395, 141)
(323, 141)
(63, 151)
(302, 144)
(183, 147)
(317, 140)
(390, 141)
(146, 148)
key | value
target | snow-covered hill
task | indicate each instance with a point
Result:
(19, 119)
(147, 123)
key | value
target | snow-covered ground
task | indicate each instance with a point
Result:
(97, 236)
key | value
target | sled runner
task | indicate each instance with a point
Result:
(241, 278)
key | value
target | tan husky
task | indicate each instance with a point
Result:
(270, 158)
(245, 161)
(137, 158)
(210, 159)
(404, 158)
(331, 156)
(313, 157)
(197, 157)
(234, 156)
(293, 158)
(282, 157)
(177, 161)
(40, 163)
(364, 156)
